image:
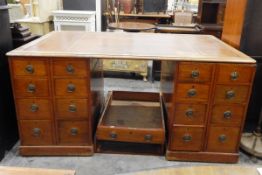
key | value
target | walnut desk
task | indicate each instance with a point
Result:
(58, 88)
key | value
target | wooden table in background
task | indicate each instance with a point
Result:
(131, 26)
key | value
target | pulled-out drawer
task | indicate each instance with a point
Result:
(132, 117)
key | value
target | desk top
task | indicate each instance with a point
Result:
(135, 46)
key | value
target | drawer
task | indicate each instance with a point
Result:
(151, 136)
(195, 72)
(235, 73)
(228, 115)
(187, 138)
(223, 139)
(31, 87)
(26, 67)
(37, 109)
(190, 92)
(73, 132)
(134, 117)
(70, 67)
(233, 94)
(190, 114)
(72, 108)
(36, 133)
(71, 87)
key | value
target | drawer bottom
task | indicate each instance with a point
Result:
(129, 148)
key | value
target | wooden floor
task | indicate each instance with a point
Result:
(33, 171)
(203, 170)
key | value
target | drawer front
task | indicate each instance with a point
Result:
(233, 94)
(31, 87)
(195, 72)
(223, 139)
(72, 108)
(73, 132)
(187, 138)
(191, 92)
(25, 67)
(37, 109)
(71, 87)
(150, 136)
(228, 115)
(190, 114)
(36, 133)
(233, 73)
(70, 67)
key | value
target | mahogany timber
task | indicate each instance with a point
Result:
(58, 101)
(205, 85)
(132, 120)
(234, 21)
(221, 100)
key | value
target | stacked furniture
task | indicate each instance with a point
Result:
(211, 16)
(205, 89)
(21, 35)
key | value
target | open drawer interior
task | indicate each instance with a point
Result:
(135, 117)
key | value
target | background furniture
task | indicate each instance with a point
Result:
(86, 5)
(8, 126)
(211, 16)
(127, 66)
(205, 87)
(69, 20)
(40, 17)
(131, 26)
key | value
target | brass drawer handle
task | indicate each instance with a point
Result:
(36, 132)
(113, 135)
(230, 94)
(189, 113)
(74, 131)
(72, 108)
(234, 75)
(70, 69)
(187, 138)
(71, 88)
(227, 114)
(191, 92)
(31, 88)
(34, 107)
(29, 69)
(148, 138)
(222, 138)
(195, 74)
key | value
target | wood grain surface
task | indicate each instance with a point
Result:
(33, 171)
(200, 170)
